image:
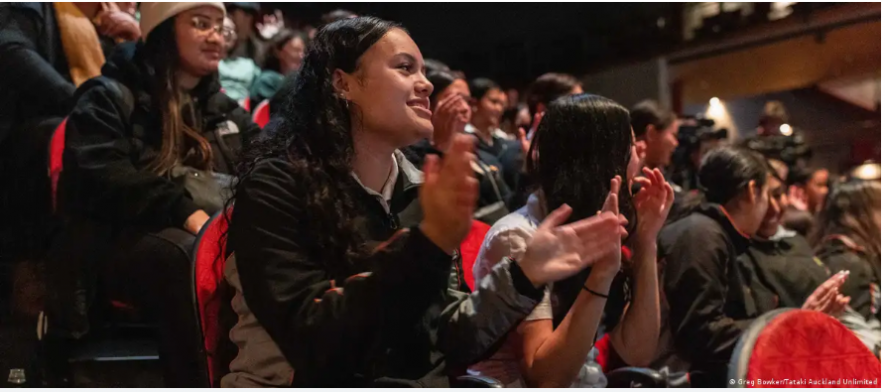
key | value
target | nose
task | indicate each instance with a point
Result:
(215, 36)
(423, 87)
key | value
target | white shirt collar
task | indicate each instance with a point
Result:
(387, 190)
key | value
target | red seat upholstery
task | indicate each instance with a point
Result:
(805, 346)
(262, 113)
(246, 104)
(208, 270)
(56, 155)
(470, 249)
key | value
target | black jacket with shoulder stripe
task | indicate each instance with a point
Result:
(402, 319)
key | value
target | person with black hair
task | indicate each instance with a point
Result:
(345, 255)
(712, 291)
(784, 259)
(847, 237)
(451, 112)
(249, 44)
(284, 57)
(656, 130)
(547, 88)
(149, 147)
(334, 16)
(584, 144)
(488, 103)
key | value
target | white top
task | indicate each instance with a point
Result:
(509, 237)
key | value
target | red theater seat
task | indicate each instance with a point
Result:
(801, 346)
(262, 114)
(470, 249)
(56, 155)
(208, 270)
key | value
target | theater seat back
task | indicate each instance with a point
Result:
(56, 158)
(261, 116)
(470, 249)
(800, 345)
(209, 257)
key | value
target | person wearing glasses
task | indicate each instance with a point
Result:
(148, 147)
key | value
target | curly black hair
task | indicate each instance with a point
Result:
(312, 131)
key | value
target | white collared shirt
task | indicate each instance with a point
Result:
(386, 190)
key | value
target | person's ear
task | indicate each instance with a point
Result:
(752, 192)
(641, 149)
(343, 84)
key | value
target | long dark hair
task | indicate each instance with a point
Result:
(583, 141)
(849, 211)
(279, 41)
(313, 133)
(180, 137)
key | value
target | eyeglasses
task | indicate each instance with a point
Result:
(204, 26)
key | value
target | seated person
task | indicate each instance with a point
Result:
(712, 291)
(147, 149)
(451, 111)
(847, 237)
(583, 143)
(784, 259)
(237, 74)
(345, 254)
(487, 105)
(46, 51)
(284, 57)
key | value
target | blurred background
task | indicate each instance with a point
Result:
(822, 61)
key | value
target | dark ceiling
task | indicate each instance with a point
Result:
(514, 43)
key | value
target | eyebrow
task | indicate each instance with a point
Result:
(204, 16)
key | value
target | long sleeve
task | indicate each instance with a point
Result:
(100, 178)
(24, 70)
(696, 285)
(328, 330)
(502, 299)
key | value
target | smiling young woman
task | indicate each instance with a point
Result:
(156, 118)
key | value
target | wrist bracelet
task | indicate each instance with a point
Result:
(595, 293)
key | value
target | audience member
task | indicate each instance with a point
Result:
(784, 260)
(583, 143)
(847, 237)
(488, 105)
(712, 294)
(236, 74)
(545, 89)
(655, 129)
(488, 102)
(451, 113)
(328, 188)
(514, 119)
(147, 145)
(248, 43)
(46, 51)
(285, 55)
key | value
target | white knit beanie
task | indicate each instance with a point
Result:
(153, 14)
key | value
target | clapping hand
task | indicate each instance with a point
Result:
(653, 203)
(448, 196)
